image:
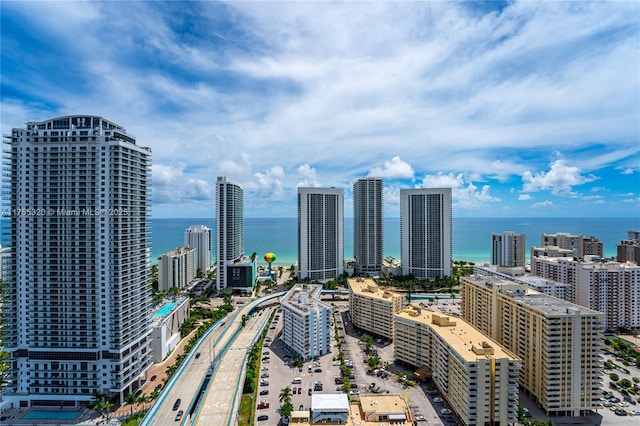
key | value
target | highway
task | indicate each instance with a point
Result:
(187, 383)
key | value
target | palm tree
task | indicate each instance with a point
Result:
(130, 399)
(285, 395)
(142, 399)
(154, 395)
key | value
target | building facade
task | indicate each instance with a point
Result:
(368, 226)
(320, 233)
(560, 343)
(477, 377)
(177, 268)
(425, 232)
(229, 227)
(305, 321)
(77, 317)
(612, 288)
(372, 308)
(508, 249)
(581, 245)
(629, 250)
(199, 238)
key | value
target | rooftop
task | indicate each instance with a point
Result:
(466, 340)
(552, 306)
(367, 287)
(372, 409)
(304, 298)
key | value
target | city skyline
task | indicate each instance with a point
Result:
(522, 108)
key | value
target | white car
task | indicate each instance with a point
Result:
(635, 412)
(437, 399)
(354, 392)
(445, 411)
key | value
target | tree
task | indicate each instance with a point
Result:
(285, 396)
(614, 377)
(130, 399)
(625, 383)
(154, 395)
(286, 409)
(142, 399)
(373, 361)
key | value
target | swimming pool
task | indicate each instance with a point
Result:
(51, 415)
(165, 309)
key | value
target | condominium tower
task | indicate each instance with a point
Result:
(560, 343)
(76, 316)
(305, 321)
(199, 238)
(229, 228)
(477, 377)
(372, 308)
(368, 248)
(177, 268)
(425, 232)
(508, 249)
(580, 244)
(320, 233)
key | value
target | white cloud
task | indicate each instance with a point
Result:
(465, 194)
(170, 185)
(394, 169)
(524, 197)
(308, 176)
(269, 184)
(545, 203)
(560, 179)
(235, 168)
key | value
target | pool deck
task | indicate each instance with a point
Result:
(84, 416)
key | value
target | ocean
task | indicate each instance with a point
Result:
(471, 236)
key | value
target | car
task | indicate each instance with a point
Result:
(339, 388)
(338, 380)
(153, 377)
(264, 382)
(264, 375)
(354, 392)
(176, 404)
(179, 415)
(263, 418)
(295, 390)
(264, 392)
(620, 412)
(317, 370)
(265, 368)
(310, 391)
(420, 418)
(198, 355)
(445, 411)
(301, 407)
(299, 391)
(614, 400)
(437, 399)
(158, 387)
(607, 404)
(354, 386)
(263, 404)
(635, 412)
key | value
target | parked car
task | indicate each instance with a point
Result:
(354, 392)
(153, 377)
(445, 411)
(198, 355)
(176, 404)
(263, 418)
(301, 407)
(263, 404)
(179, 415)
(264, 392)
(437, 399)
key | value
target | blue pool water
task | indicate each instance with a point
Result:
(165, 310)
(51, 415)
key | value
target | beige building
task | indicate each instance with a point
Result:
(579, 244)
(560, 343)
(381, 409)
(372, 308)
(177, 268)
(629, 250)
(612, 288)
(477, 376)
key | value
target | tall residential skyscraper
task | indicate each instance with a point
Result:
(77, 317)
(229, 227)
(177, 268)
(199, 238)
(425, 232)
(320, 233)
(368, 247)
(508, 249)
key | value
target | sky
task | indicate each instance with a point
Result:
(524, 109)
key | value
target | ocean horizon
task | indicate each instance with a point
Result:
(471, 236)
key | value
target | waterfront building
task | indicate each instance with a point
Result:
(518, 275)
(320, 233)
(229, 228)
(177, 268)
(475, 374)
(580, 244)
(76, 314)
(612, 288)
(368, 226)
(508, 249)
(372, 308)
(629, 250)
(305, 321)
(425, 232)
(199, 237)
(551, 251)
(560, 343)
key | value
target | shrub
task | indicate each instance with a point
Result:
(614, 377)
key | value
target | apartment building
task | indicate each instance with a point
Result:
(76, 317)
(579, 244)
(629, 250)
(518, 275)
(372, 308)
(199, 238)
(612, 288)
(229, 228)
(368, 226)
(508, 249)
(560, 343)
(177, 268)
(551, 251)
(475, 374)
(320, 233)
(425, 232)
(305, 321)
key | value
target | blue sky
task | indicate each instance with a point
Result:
(523, 108)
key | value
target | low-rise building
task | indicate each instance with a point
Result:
(332, 409)
(165, 328)
(305, 321)
(372, 308)
(377, 409)
(475, 374)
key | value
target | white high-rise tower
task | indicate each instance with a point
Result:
(77, 317)
(508, 249)
(199, 238)
(368, 226)
(425, 232)
(229, 227)
(320, 233)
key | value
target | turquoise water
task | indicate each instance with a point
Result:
(166, 309)
(471, 236)
(51, 415)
